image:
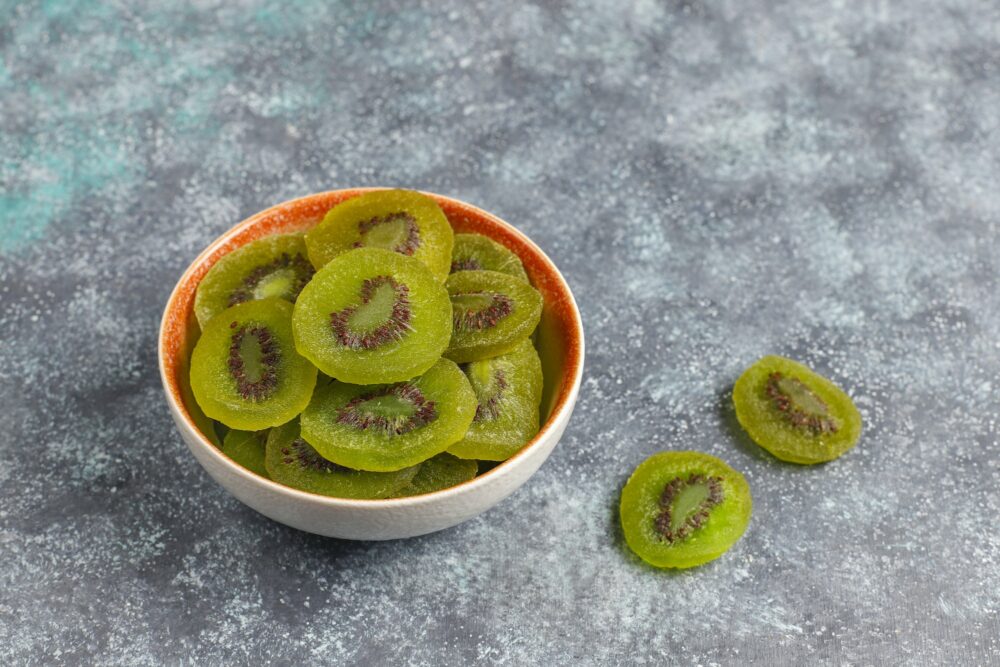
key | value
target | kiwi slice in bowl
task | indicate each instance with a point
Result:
(391, 426)
(508, 391)
(292, 461)
(475, 252)
(247, 449)
(273, 266)
(441, 472)
(682, 509)
(794, 413)
(372, 316)
(245, 371)
(401, 221)
(491, 313)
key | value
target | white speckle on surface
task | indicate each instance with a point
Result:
(717, 181)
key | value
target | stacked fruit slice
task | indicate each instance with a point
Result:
(334, 357)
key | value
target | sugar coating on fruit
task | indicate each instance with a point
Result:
(383, 315)
(393, 410)
(301, 453)
(396, 231)
(284, 277)
(799, 405)
(253, 361)
(686, 504)
(476, 311)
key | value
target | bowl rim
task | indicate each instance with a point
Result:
(564, 404)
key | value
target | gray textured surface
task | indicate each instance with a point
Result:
(717, 181)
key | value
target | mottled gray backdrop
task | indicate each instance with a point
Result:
(717, 180)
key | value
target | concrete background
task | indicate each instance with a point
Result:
(718, 180)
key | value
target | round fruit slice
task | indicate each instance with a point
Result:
(475, 252)
(508, 390)
(681, 509)
(491, 313)
(441, 472)
(388, 427)
(293, 462)
(372, 316)
(245, 371)
(247, 449)
(794, 413)
(274, 266)
(401, 221)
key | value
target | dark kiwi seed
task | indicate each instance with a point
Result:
(476, 311)
(390, 427)
(302, 271)
(491, 313)
(686, 504)
(292, 461)
(799, 405)
(270, 267)
(393, 410)
(253, 361)
(383, 315)
(401, 223)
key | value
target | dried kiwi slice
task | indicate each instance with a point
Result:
(274, 266)
(509, 390)
(247, 449)
(794, 413)
(681, 509)
(245, 371)
(475, 252)
(441, 472)
(491, 313)
(372, 316)
(206, 426)
(403, 221)
(293, 462)
(392, 426)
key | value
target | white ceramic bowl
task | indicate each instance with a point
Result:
(560, 345)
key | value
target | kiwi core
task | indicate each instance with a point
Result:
(686, 504)
(475, 311)
(284, 277)
(798, 405)
(393, 410)
(395, 231)
(383, 315)
(253, 361)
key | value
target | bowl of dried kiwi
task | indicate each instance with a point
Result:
(371, 363)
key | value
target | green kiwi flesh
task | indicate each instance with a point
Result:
(372, 316)
(682, 509)
(390, 426)
(440, 472)
(274, 266)
(794, 413)
(247, 449)
(475, 252)
(292, 461)
(491, 313)
(245, 370)
(508, 392)
(401, 221)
